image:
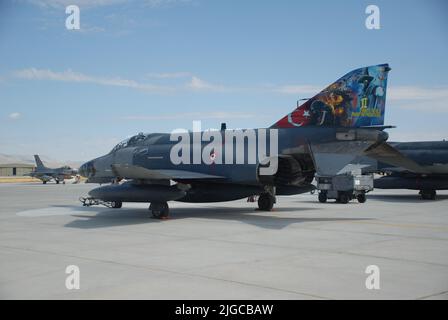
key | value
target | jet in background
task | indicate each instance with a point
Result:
(419, 166)
(321, 136)
(47, 174)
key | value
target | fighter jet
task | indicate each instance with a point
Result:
(321, 136)
(419, 166)
(47, 174)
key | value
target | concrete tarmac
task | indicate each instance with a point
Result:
(301, 250)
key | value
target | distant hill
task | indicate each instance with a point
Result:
(29, 159)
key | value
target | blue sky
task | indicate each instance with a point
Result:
(157, 65)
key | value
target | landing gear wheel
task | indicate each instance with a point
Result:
(44, 182)
(266, 202)
(116, 204)
(159, 210)
(361, 197)
(428, 194)
(343, 198)
(322, 197)
(57, 181)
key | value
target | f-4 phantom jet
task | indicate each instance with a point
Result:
(420, 165)
(320, 137)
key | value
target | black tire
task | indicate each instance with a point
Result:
(266, 202)
(361, 197)
(44, 182)
(428, 194)
(343, 198)
(116, 204)
(57, 181)
(433, 195)
(159, 210)
(323, 197)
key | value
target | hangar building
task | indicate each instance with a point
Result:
(15, 169)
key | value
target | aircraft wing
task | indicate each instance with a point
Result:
(137, 172)
(387, 154)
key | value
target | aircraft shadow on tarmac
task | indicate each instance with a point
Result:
(405, 198)
(120, 217)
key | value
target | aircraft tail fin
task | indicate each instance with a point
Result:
(357, 99)
(39, 163)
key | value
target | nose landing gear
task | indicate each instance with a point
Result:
(116, 204)
(89, 201)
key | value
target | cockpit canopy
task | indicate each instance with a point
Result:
(133, 141)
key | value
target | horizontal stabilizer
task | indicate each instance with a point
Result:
(388, 154)
(137, 172)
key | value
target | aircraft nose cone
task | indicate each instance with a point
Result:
(95, 193)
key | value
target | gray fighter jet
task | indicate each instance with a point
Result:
(321, 136)
(419, 166)
(47, 174)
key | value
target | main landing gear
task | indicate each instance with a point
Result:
(267, 199)
(159, 210)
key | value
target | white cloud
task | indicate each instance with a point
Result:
(195, 84)
(432, 99)
(169, 75)
(193, 115)
(159, 3)
(71, 76)
(298, 89)
(430, 105)
(85, 28)
(15, 115)
(201, 85)
(57, 4)
(417, 93)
